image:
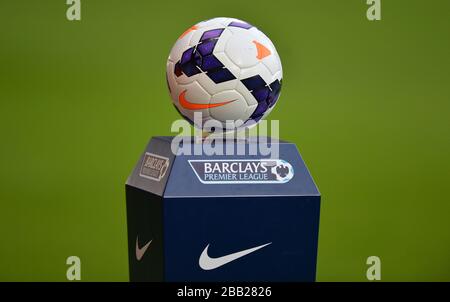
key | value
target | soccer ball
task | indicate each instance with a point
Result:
(226, 69)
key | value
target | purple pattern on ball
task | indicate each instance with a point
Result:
(221, 75)
(210, 62)
(275, 93)
(240, 24)
(198, 59)
(211, 34)
(206, 48)
(261, 94)
(186, 56)
(254, 82)
(260, 110)
(266, 99)
(257, 118)
(190, 69)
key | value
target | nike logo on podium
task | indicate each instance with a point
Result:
(208, 263)
(141, 251)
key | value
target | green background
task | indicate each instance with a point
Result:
(367, 103)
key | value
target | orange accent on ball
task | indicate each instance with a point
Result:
(188, 31)
(262, 50)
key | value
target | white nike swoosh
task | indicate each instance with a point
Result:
(208, 263)
(141, 251)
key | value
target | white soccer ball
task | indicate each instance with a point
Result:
(226, 69)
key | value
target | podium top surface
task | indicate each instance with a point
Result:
(231, 168)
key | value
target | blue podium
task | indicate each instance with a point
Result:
(221, 217)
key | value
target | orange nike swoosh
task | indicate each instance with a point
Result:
(194, 106)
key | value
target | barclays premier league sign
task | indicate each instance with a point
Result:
(231, 202)
(242, 171)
